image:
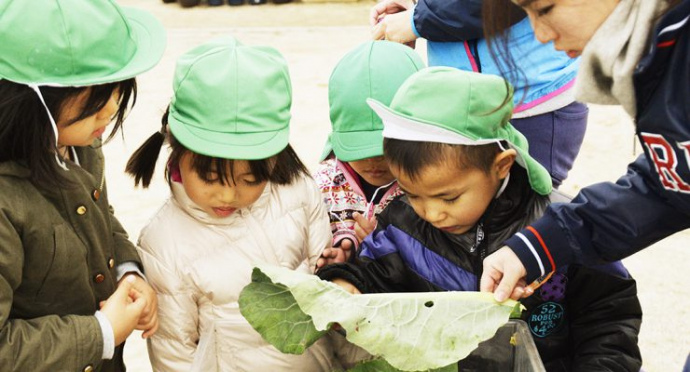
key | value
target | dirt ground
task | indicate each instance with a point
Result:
(313, 37)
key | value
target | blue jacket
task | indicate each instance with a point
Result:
(576, 326)
(610, 221)
(454, 33)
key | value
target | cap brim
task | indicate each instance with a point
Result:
(240, 146)
(399, 126)
(150, 37)
(403, 127)
(353, 146)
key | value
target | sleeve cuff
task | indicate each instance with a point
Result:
(530, 248)
(128, 267)
(414, 28)
(108, 335)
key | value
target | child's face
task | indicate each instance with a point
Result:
(215, 198)
(374, 170)
(85, 131)
(449, 197)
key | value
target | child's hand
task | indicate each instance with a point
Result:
(363, 226)
(335, 254)
(346, 286)
(148, 322)
(123, 309)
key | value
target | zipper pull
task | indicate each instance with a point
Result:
(478, 238)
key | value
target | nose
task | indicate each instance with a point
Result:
(542, 31)
(227, 194)
(434, 214)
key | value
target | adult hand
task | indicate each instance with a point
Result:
(385, 7)
(148, 321)
(363, 226)
(338, 254)
(123, 309)
(504, 275)
(395, 27)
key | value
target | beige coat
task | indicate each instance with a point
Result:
(198, 265)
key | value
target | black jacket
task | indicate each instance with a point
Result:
(582, 319)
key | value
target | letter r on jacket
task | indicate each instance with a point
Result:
(665, 161)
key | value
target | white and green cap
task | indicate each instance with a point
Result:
(447, 105)
(231, 101)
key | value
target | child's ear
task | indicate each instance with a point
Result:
(503, 162)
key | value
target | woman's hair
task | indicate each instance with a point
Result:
(412, 157)
(26, 134)
(282, 168)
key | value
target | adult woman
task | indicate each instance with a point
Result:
(634, 53)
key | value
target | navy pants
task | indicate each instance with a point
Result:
(555, 138)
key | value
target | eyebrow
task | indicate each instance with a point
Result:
(439, 195)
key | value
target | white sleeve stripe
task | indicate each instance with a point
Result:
(674, 26)
(534, 251)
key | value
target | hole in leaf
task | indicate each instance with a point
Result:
(429, 304)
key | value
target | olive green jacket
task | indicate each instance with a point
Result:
(58, 253)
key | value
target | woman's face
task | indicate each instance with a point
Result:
(570, 24)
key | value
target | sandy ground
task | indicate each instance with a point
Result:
(313, 37)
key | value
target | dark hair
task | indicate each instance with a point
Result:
(282, 168)
(412, 157)
(26, 135)
(497, 18)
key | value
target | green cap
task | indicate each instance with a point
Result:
(231, 101)
(76, 42)
(374, 69)
(446, 105)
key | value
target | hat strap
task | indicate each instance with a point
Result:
(60, 162)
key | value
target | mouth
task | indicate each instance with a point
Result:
(573, 53)
(375, 173)
(223, 211)
(98, 132)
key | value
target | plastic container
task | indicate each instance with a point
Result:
(511, 349)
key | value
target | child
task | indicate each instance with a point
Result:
(240, 196)
(63, 253)
(469, 184)
(353, 175)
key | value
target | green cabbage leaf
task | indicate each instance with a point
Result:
(411, 331)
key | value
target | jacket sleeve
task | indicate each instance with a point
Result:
(378, 266)
(602, 223)
(319, 229)
(50, 343)
(448, 20)
(173, 346)
(605, 318)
